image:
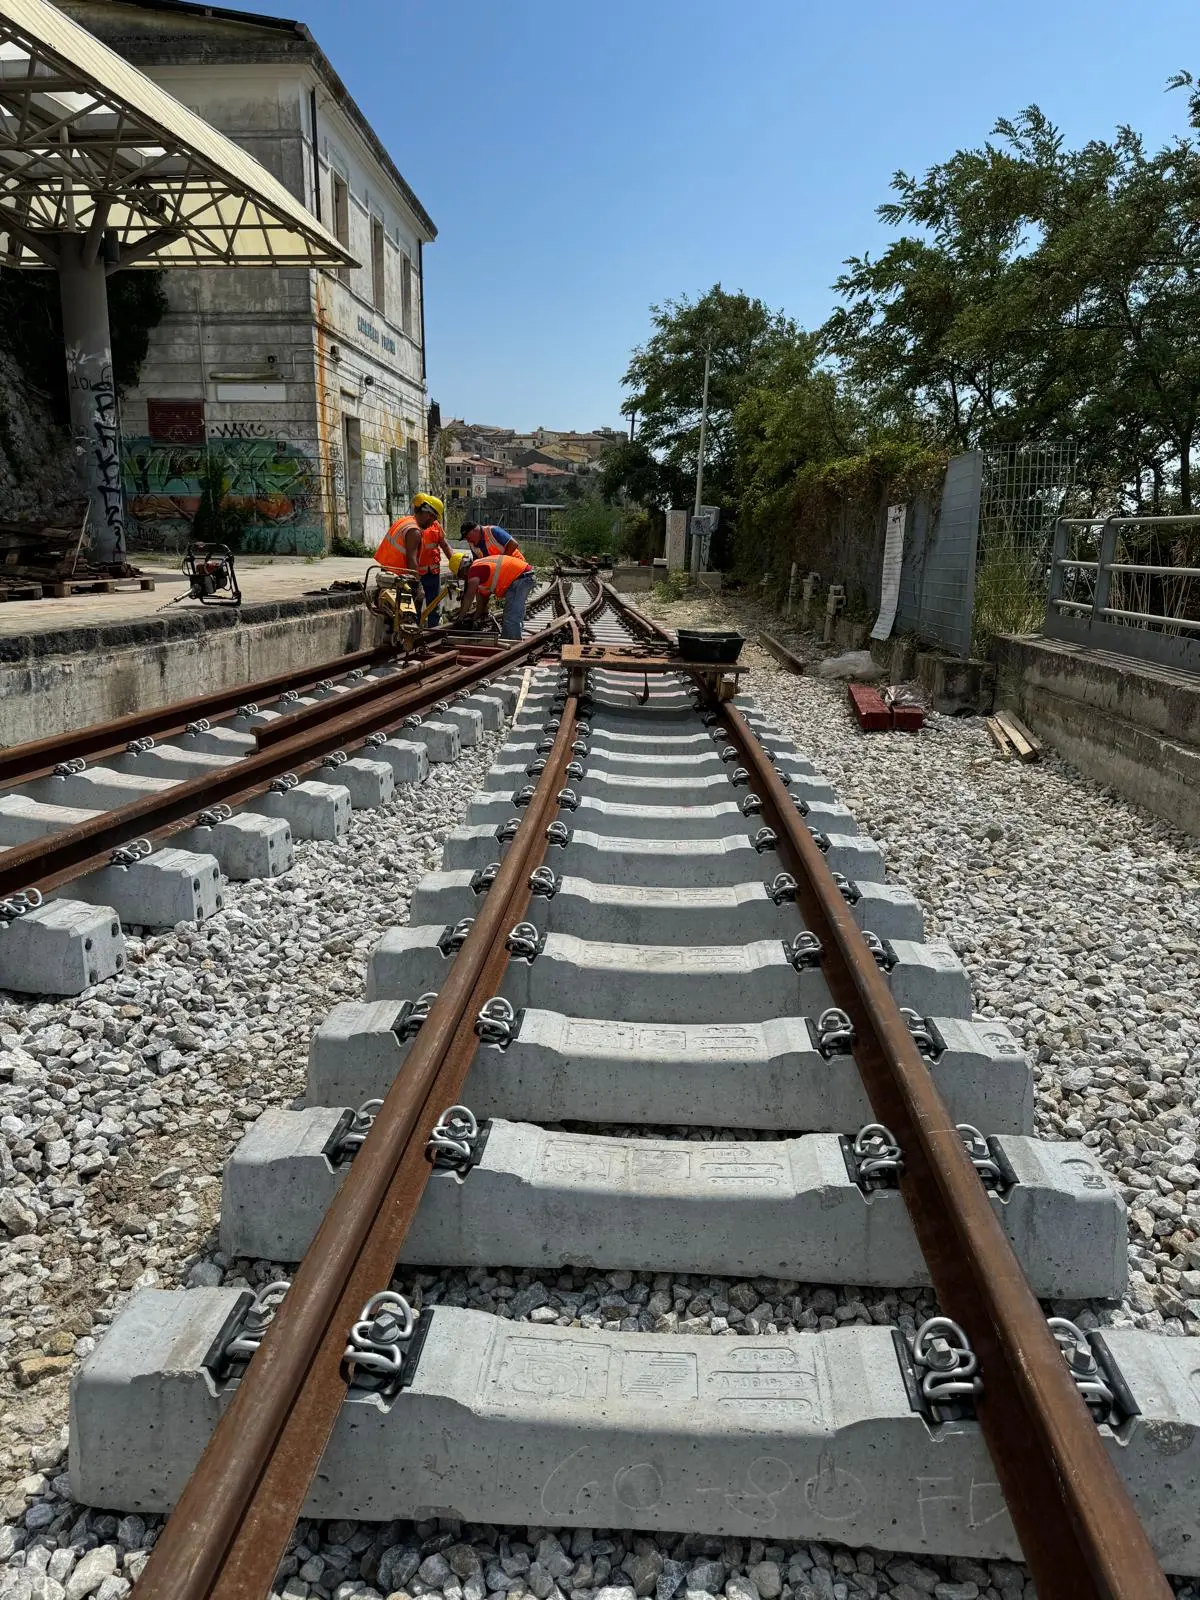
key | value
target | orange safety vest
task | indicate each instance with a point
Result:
(493, 547)
(393, 554)
(498, 573)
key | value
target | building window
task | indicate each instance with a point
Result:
(341, 218)
(378, 288)
(406, 295)
(414, 464)
(175, 421)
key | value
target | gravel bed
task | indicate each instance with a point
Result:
(146, 1211)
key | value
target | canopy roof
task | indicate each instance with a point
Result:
(90, 145)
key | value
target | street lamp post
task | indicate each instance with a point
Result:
(695, 550)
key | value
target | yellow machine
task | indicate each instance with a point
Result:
(400, 600)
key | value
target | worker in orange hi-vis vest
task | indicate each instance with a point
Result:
(509, 578)
(489, 539)
(414, 545)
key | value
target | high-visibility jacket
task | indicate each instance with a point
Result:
(393, 554)
(497, 574)
(491, 545)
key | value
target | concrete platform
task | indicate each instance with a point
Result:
(803, 1437)
(739, 912)
(1124, 722)
(668, 983)
(788, 1210)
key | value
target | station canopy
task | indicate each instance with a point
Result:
(89, 145)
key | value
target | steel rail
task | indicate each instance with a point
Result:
(641, 623)
(54, 859)
(1076, 1523)
(781, 653)
(230, 1527)
(21, 763)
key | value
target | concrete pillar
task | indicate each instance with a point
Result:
(676, 540)
(95, 423)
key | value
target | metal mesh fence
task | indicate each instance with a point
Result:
(1025, 487)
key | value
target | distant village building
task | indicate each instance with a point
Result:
(303, 392)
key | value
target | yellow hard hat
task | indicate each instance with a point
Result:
(430, 500)
(460, 560)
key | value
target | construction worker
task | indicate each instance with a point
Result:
(415, 544)
(489, 540)
(510, 578)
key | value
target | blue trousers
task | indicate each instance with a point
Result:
(513, 623)
(431, 583)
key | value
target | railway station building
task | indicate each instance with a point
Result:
(300, 391)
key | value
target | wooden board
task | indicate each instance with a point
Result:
(998, 737)
(20, 591)
(1019, 736)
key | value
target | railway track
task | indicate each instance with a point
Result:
(138, 822)
(698, 1034)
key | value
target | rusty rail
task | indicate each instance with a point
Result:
(781, 653)
(21, 763)
(52, 860)
(230, 1528)
(1076, 1523)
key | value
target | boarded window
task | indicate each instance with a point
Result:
(378, 282)
(414, 464)
(406, 296)
(175, 421)
(341, 218)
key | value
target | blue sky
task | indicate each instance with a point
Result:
(583, 161)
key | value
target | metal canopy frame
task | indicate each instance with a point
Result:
(89, 145)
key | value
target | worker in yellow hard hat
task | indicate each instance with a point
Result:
(415, 545)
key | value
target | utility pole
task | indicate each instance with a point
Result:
(695, 552)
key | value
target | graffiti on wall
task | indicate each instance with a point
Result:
(276, 486)
(93, 396)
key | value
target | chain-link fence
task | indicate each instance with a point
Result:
(1025, 487)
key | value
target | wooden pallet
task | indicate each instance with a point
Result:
(61, 588)
(20, 591)
(1011, 737)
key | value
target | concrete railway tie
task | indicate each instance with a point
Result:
(663, 981)
(74, 939)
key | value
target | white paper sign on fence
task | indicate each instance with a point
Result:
(893, 556)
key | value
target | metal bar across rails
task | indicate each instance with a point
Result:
(230, 1527)
(1076, 1523)
(24, 762)
(52, 860)
(781, 653)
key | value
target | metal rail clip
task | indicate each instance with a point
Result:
(821, 840)
(19, 905)
(201, 725)
(412, 1014)
(214, 814)
(847, 888)
(456, 1142)
(989, 1161)
(385, 1344)
(765, 839)
(1097, 1376)
(498, 1022)
(524, 797)
(454, 936)
(524, 941)
(729, 753)
(833, 1032)
(137, 747)
(751, 805)
(567, 799)
(874, 1160)
(125, 855)
(284, 782)
(71, 768)
(483, 878)
(239, 1339)
(507, 831)
(884, 956)
(782, 887)
(351, 1132)
(558, 833)
(376, 739)
(335, 758)
(250, 709)
(940, 1370)
(804, 950)
(925, 1032)
(544, 881)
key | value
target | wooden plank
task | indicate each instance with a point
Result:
(1010, 720)
(1018, 736)
(999, 737)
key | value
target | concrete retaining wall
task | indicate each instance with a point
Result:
(72, 677)
(1128, 724)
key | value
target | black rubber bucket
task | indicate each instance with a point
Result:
(710, 645)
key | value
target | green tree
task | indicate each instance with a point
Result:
(665, 380)
(593, 527)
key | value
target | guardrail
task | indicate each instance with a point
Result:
(1149, 609)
